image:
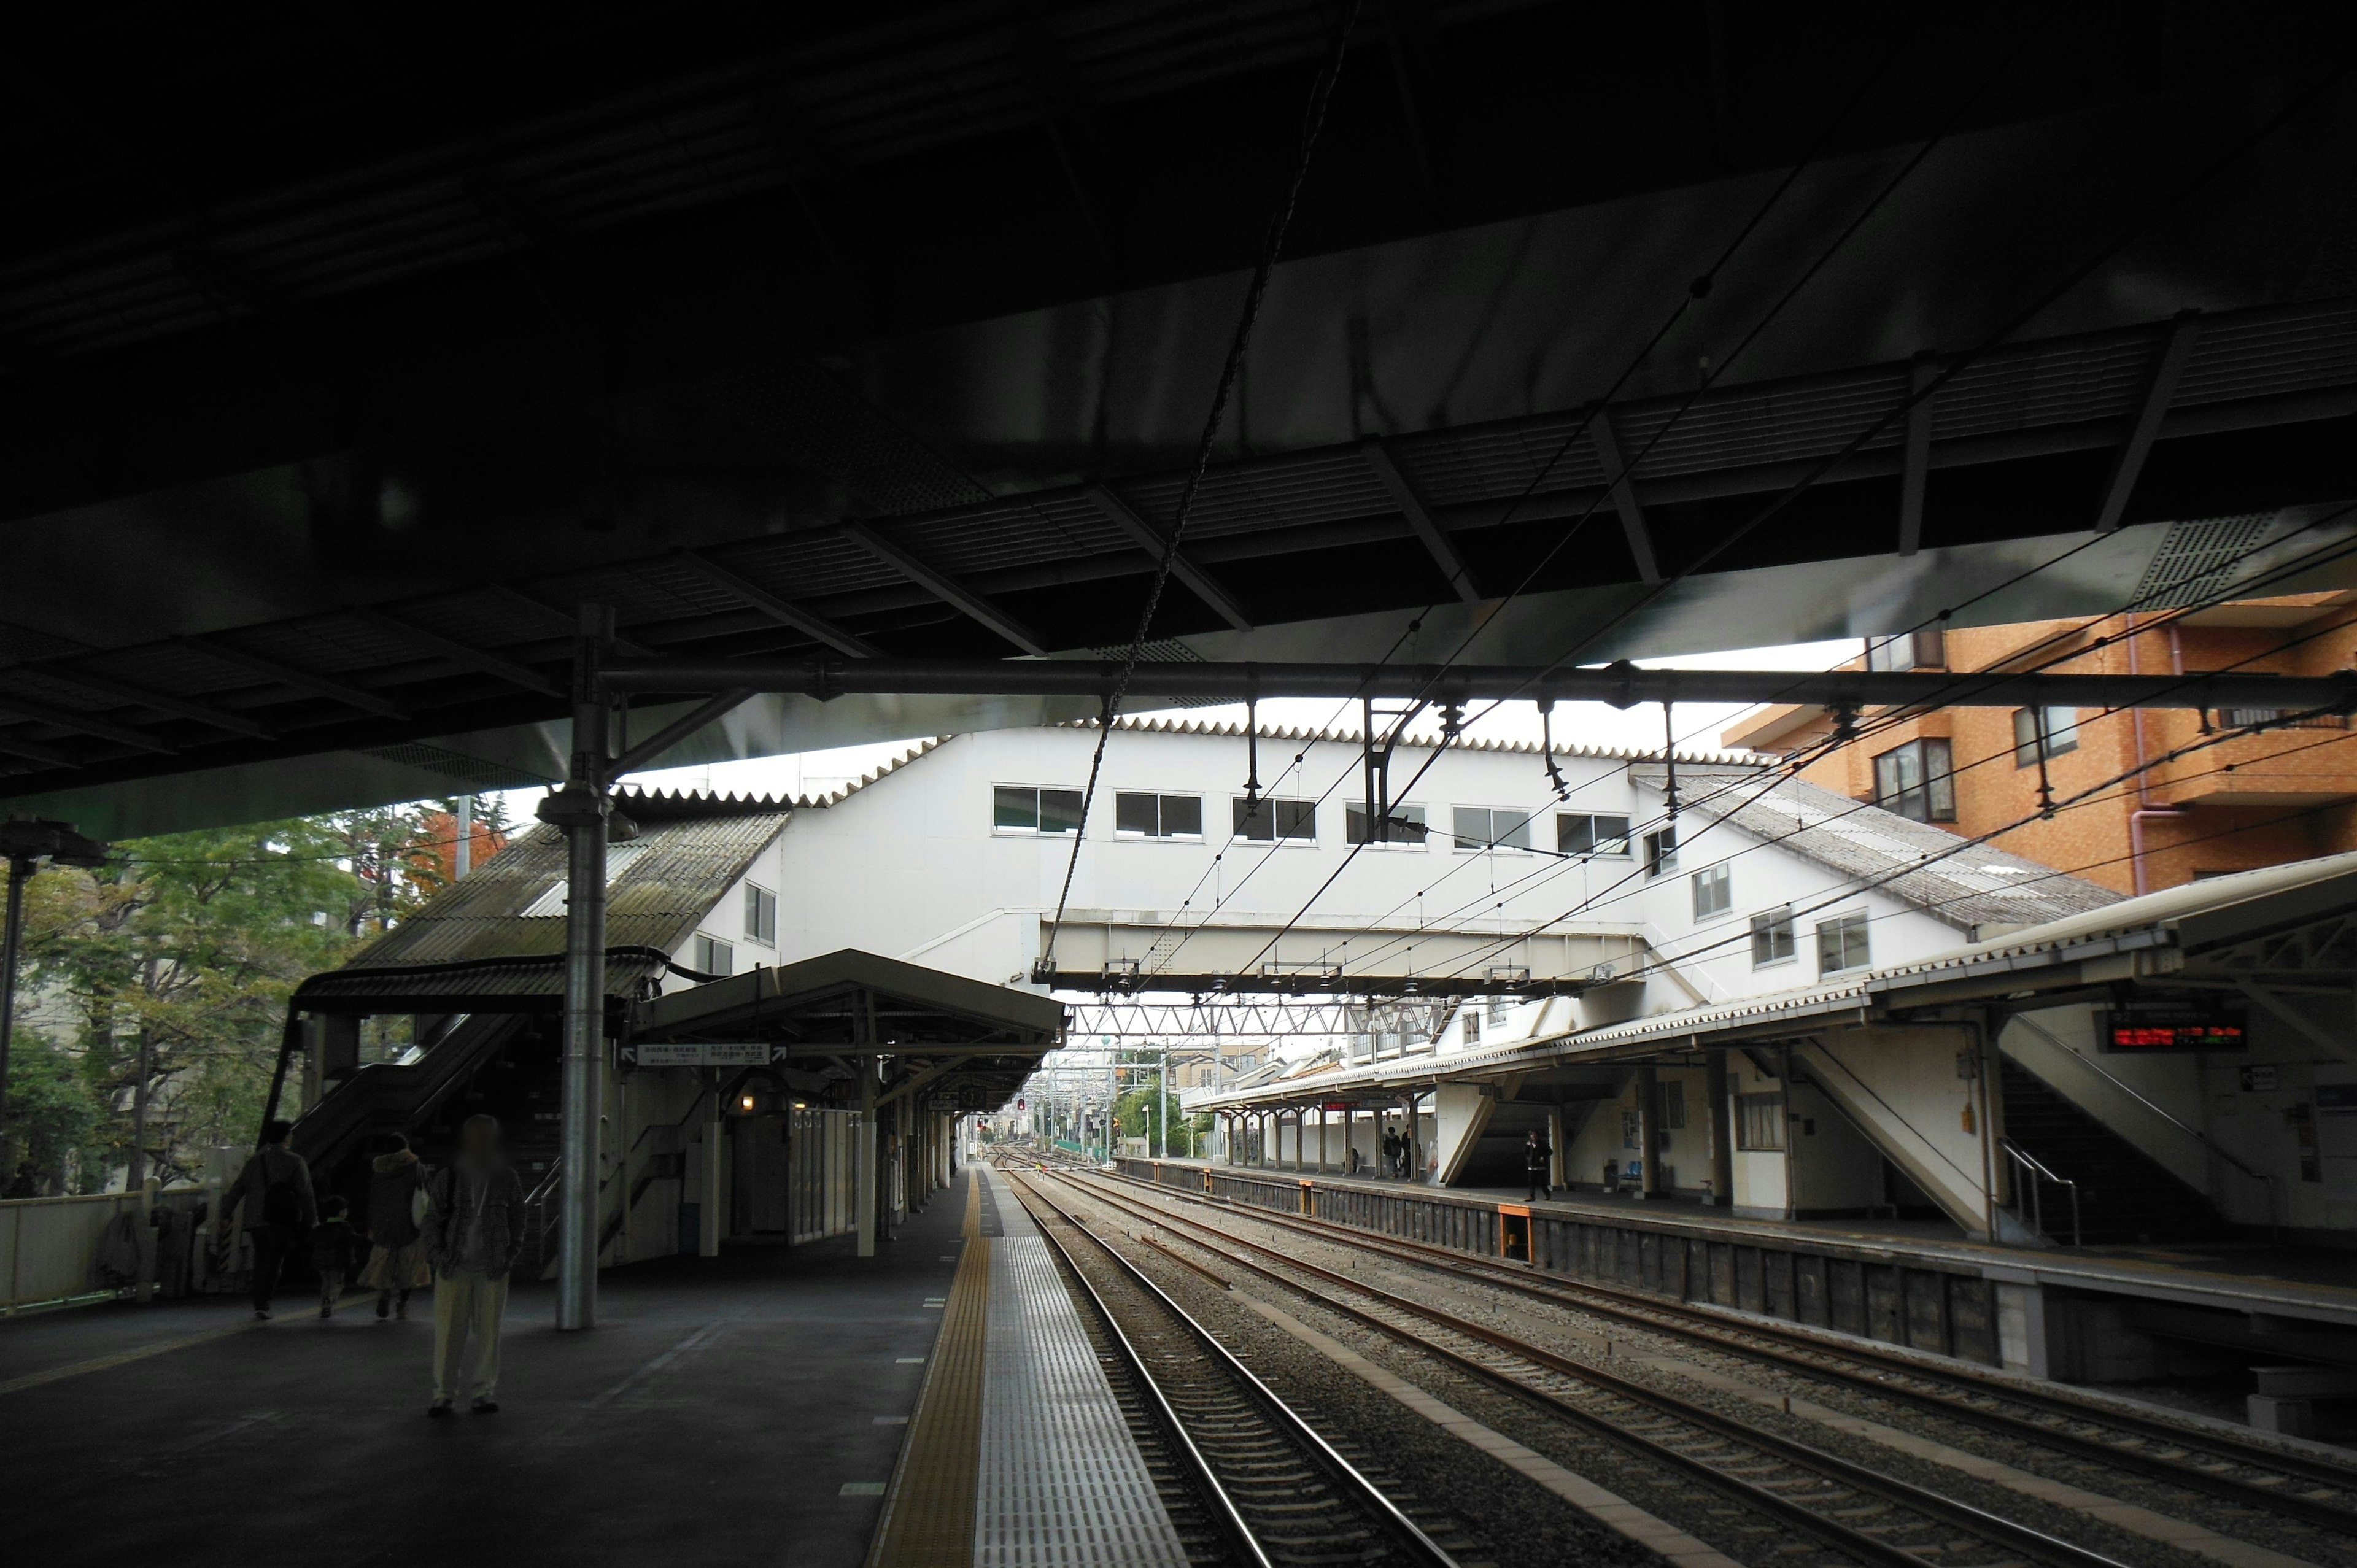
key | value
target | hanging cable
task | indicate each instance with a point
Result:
(1321, 91)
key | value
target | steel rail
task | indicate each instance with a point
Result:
(1648, 1312)
(2033, 1544)
(1620, 684)
(1410, 1536)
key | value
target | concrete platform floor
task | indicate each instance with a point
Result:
(717, 1414)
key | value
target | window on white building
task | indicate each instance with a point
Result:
(1404, 825)
(760, 915)
(1842, 943)
(1713, 891)
(714, 956)
(1144, 816)
(1771, 938)
(1486, 827)
(1916, 781)
(1021, 808)
(1660, 852)
(1472, 1034)
(1272, 821)
(2052, 730)
(1760, 1121)
(1583, 832)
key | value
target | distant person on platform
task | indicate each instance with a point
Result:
(1391, 1152)
(396, 1263)
(275, 1187)
(474, 1228)
(1538, 1164)
(335, 1252)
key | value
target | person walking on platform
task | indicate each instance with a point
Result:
(1538, 1164)
(275, 1187)
(1391, 1152)
(474, 1228)
(396, 1263)
(335, 1246)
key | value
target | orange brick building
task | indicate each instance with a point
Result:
(2286, 793)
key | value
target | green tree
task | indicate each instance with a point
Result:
(55, 1116)
(183, 949)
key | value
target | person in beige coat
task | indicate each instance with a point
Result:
(473, 1228)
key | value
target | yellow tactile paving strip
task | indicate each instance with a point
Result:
(929, 1513)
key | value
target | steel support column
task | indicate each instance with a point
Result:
(864, 1185)
(581, 808)
(1649, 1133)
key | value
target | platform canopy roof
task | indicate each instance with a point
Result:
(2246, 933)
(963, 1045)
(495, 941)
(340, 366)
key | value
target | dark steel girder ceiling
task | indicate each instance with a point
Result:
(323, 474)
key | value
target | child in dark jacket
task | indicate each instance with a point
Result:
(335, 1250)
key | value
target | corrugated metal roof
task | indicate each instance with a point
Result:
(1970, 886)
(661, 882)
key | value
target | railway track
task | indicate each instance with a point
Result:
(2313, 1490)
(1281, 1493)
(1859, 1513)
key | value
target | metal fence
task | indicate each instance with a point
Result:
(49, 1246)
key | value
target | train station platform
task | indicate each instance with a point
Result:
(2095, 1314)
(759, 1404)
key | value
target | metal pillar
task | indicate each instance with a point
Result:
(1415, 1141)
(1649, 1133)
(1322, 1139)
(864, 1188)
(20, 871)
(1722, 1130)
(581, 809)
(708, 1213)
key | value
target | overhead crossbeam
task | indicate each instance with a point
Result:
(1915, 463)
(1621, 686)
(947, 589)
(784, 611)
(301, 680)
(139, 696)
(2159, 392)
(1623, 487)
(1153, 541)
(1411, 503)
(14, 706)
(457, 652)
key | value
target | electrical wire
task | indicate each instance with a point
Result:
(1313, 121)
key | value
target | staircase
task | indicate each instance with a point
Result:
(2126, 1197)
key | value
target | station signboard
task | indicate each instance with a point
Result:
(701, 1053)
(2143, 1028)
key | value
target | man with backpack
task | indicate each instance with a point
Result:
(275, 1187)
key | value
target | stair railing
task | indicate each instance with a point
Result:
(2199, 1136)
(532, 1258)
(2029, 1174)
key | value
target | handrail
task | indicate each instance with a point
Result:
(2134, 1093)
(2035, 1218)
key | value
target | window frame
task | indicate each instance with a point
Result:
(1161, 815)
(1840, 926)
(1625, 851)
(1908, 651)
(2057, 741)
(1936, 789)
(1039, 793)
(760, 901)
(1720, 879)
(1357, 811)
(1769, 923)
(1274, 839)
(1490, 829)
(1661, 853)
(705, 947)
(1759, 1123)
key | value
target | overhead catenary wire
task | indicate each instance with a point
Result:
(1313, 121)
